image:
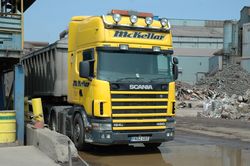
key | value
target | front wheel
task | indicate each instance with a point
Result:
(79, 133)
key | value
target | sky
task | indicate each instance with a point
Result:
(45, 19)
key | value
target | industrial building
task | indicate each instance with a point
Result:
(205, 46)
(195, 43)
(11, 47)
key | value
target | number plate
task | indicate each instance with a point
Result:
(139, 139)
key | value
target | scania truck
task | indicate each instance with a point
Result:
(111, 81)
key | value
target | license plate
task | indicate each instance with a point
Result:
(139, 139)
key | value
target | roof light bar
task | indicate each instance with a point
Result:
(129, 13)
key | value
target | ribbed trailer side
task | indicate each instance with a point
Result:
(46, 71)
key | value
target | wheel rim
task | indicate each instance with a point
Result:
(53, 124)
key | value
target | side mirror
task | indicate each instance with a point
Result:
(84, 69)
(175, 61)
(175, 71)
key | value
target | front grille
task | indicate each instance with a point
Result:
(139, 110)
(138, 103)
(141, 96)
(135, 124)
(134, 111)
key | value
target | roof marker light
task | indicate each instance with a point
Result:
(123, 47)
(156, 49)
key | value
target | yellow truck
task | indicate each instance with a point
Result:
(116, 85)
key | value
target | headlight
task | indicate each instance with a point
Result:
(133, 19)
(117, 18)
(160, 124)
(101, 126)
(118, 124)
(164, 22)
(148, 20)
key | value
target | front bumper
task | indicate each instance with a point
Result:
(100, 137)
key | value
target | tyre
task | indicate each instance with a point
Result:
(79, 133)
(152, 145)
(52, 122)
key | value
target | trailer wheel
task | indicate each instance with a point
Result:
(79, 133)
(152, 145)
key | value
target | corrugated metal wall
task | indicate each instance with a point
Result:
(10, 34)
(192, 68)
(214, 64)
(245, 61)
(245, 64)
(246, 40)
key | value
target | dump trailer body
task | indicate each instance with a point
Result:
(46, 70)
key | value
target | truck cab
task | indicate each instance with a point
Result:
(121, 75)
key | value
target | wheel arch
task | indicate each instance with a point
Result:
(81, 110)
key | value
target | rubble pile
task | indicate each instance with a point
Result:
(231, 80)
(224, 95)
(234, 107)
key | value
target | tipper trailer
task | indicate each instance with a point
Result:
(110, 82)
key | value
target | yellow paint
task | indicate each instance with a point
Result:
(139, 100)
(171, 98)
(37, 109)
(137, 107)
(140, 128)
(7, 126)
(139, 115)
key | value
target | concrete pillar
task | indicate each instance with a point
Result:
(19, 101)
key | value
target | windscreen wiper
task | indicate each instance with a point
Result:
(159, 78)
(129, 78)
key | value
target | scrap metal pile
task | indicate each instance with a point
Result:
(225, 94)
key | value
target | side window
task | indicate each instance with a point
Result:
(88, 55)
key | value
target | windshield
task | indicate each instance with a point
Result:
(120, 66)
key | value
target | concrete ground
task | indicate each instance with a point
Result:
(229, 129)
(24, 156)
(188, 149)
(196, 107)
(198, 141)
(188, 112)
